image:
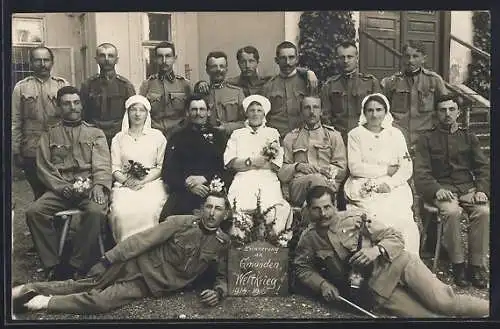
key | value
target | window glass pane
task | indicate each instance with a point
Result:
(159, 27)
(20, 64)
(149, 61)
(26, 30)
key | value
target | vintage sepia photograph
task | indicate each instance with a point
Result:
(242, 165)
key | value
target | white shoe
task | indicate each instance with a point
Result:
(37, 303)
(18, 291)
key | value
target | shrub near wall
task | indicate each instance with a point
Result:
(320, 32)
(479, 70)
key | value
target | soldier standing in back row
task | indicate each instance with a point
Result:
(34, 109)
(342, 94)
(250, 80)
(224, 100)
(166, 91)
(412, 93)
(286, 90)
(104, 94)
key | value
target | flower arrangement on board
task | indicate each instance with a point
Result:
(250, 226)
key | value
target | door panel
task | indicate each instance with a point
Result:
(424, 26)
(385, 26)
(394, 29)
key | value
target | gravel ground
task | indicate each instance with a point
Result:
(182, 305)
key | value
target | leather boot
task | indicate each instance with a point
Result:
(459, 275)
(478, 277)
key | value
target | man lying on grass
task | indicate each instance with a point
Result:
(154, 262)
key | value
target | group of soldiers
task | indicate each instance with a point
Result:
(304, 117)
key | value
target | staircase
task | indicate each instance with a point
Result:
(478, 116)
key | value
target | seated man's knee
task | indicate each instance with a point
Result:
(483, 211)
(93, 208)
(34, 209)
(317, 180)
(449, 209)
(446, 302)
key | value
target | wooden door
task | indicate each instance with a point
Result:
(423, 26)
(394, 29)
(386, 27)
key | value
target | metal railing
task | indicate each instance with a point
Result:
(400, 55)
(469, 100)
(471, 47)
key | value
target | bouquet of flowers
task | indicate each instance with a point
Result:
(82, 186)
(271, 149)
(135, 169)
(368, 188)
(250, 226)
(216, 184)
(332, 173)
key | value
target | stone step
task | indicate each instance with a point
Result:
(486, 150)
(480, 127)
(479, 115)
(484, 139)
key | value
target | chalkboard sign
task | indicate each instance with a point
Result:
(258, 269)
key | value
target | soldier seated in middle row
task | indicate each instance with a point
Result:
(314, 154)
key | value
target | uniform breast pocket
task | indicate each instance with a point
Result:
(30, 101)
(58, 153)
(86, 149)
(323, 254)
(95, 99)
(349, 239)
(230, 107)
(177, 100)
(337, 101)
(208, 256)
(277, 101)
(400, 101)
(426, 101)
(299, 155)
(323, 153)
(299, 96)
(116, 105)
(155, 101)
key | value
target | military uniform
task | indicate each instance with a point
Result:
(191, 151)
(453, 160)
(341, 98)
(412, 99)
(251, 85)
(400, 282)
(254, 85)
(286, 95)
(225, 102)
(320, 147)
(64, 153)
(103, 99)
(167, 95)
(34, 109)
(154, 262)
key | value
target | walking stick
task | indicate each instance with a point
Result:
(359, 308)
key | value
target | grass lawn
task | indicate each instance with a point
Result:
(181, 305)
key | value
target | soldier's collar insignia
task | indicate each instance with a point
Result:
(217, 85)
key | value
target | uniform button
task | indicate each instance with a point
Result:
(343, 231)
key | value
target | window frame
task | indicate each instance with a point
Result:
(147, 44)
(41, 19)
(26, 45)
